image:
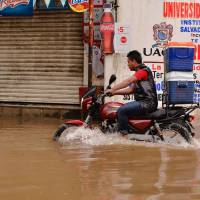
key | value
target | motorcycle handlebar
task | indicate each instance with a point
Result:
(101, 97)
(108, 87)
(106, 95)
(191, 108)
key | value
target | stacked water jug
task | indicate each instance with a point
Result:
(179, 60)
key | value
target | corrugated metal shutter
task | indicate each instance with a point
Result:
(41, 58)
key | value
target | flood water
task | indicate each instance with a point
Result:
(87, 165)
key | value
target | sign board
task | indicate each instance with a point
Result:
(79, 5)
(122, 38)
(16, 7)
(161, 22)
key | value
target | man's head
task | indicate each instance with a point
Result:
(134, 59)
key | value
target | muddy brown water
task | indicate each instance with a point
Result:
(91, 166)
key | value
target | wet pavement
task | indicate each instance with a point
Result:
(87, 165)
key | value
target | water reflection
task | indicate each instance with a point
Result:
(90, 166)
(142, 173)
(135, 171)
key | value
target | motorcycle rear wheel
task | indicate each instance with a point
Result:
(175, 132)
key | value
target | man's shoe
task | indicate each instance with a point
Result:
(124, 134)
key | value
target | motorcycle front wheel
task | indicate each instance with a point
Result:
(61, 129)
(175, 133)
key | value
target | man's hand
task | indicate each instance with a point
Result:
(109, 92)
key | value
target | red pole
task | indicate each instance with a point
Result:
(91, 41)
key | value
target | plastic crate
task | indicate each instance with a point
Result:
(179, 57)
(180, 87)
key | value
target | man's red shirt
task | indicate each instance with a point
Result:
(141, 74)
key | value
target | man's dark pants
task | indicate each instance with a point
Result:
(127, 111)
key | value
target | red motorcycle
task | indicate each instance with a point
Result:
(166, 124)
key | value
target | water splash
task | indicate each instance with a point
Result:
(95, 137)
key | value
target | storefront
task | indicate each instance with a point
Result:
(41, 57)
(44, 57)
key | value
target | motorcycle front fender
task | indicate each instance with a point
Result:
(74, 122)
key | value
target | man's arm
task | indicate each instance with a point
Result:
(128, 90)
(124, 83)
(139, 75)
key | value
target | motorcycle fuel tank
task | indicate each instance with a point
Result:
(109, 110)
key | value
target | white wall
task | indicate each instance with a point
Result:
(117, 63)
(141, 16)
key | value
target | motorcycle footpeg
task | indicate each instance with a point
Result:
(159, 132)
(161, 137)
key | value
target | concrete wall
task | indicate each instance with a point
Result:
(117, 63)
(36, 111)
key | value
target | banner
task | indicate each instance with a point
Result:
(63, 2)
(50, 5)
(16, 7)
(47, 2)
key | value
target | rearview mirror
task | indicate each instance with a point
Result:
(112, 79)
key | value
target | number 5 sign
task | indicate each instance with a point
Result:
(122, 38)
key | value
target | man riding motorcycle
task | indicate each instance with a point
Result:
(170, 123)
(142, 85)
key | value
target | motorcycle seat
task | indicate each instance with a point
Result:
(161, 114)
(158, 114)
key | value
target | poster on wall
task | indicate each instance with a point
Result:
(16, 7)
(122, 38)
(98, 61)
(169, 21)
(107, 29)
(98, 57)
